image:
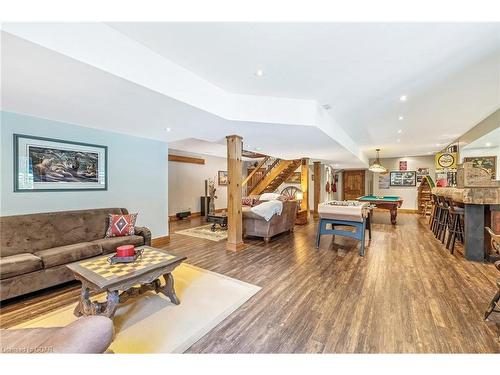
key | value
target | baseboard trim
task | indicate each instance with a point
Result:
(193, 214)
(160, 241)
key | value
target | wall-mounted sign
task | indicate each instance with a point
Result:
(421, 172)
(403, 165)
(446, 160)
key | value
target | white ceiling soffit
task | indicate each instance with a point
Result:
(107, 49)
(487, 141)
(43, 83)
(450, 72)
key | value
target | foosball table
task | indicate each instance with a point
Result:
(352, 214)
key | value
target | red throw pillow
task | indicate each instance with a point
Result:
(121, 225)
(247, 201)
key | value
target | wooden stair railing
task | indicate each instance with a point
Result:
(282, 176)
(269, 167)
(250, 175)
(275, 175)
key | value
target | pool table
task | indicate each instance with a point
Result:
(390, 203)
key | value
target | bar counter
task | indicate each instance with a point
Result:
(482, 209)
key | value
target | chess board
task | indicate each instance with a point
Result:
(104, 269)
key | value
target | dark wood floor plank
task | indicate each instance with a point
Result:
(407, 295)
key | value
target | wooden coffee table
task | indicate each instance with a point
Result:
(120, 280)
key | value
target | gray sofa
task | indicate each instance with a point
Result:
(254, 225)
(35, 248)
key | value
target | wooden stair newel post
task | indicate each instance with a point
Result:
(317, 187)
(234, 177)
(304, 185)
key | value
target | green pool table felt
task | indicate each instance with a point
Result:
(374, 198)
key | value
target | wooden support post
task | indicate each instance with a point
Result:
(234, 177)
(317, 187)
(304, 185)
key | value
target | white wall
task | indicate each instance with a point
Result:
(409, 194)
(137, 173)
(186, 182)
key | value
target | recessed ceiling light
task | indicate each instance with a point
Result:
(259, 73)
(488, 144)
(401, 118)
(398, 140)
(168, 129)
(403, 98)
(400, 131)
(257, 148)
(429, 152)
(336, 165)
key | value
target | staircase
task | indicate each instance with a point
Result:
(277, 173)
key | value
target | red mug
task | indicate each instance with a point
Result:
(125, 251)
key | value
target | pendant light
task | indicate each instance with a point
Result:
(376, 166)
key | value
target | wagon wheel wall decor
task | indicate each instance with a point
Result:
(291, 192)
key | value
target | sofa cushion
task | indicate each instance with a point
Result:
(18, 265)
(109, 245)
(37, 232)
(69, 253)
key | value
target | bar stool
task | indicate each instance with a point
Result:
(434, 214)
(443, 219)
(455, 226)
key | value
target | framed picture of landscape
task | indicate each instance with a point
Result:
(46, 164)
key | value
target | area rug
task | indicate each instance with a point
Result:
(150, 323)
(205, 232)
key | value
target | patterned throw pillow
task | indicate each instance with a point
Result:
(247, 201)
(121, 225)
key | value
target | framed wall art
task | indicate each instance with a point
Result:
(222, 178)
(488, 163)
(47, 164)
(403, 179)
(294, 178)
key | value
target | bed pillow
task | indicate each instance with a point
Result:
(269, 197)
(121, 225)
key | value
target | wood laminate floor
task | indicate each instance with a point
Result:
(407, 295)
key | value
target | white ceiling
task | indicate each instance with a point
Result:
(43, 83)
(449, 71)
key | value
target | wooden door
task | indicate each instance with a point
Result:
(255, 178)
(353, 183)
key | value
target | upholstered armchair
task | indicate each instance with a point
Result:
(91, 334)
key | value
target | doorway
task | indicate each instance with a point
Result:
(353, 184)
